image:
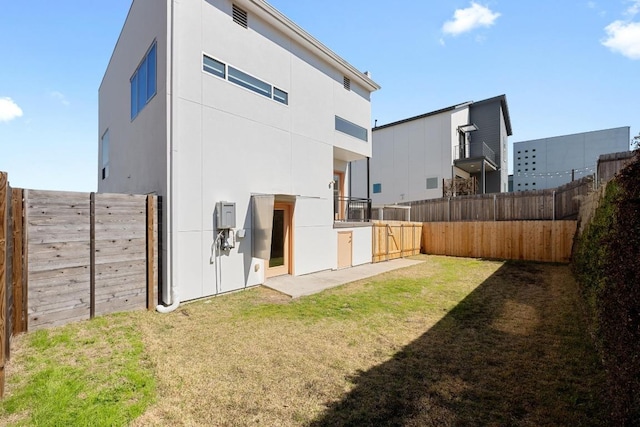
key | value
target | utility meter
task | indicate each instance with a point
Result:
(225, 215)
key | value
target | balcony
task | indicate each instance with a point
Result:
(351, 209)
(471, 156)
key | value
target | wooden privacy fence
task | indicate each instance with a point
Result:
(548, 241)
(395, 239)
(88, 255)
(560, 203)
(71, 256)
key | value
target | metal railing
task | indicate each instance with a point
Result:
(473, 150)
(351, 209)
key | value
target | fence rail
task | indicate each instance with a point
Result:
(557, 204)
(547, 241)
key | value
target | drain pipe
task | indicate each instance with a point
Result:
(175, 296)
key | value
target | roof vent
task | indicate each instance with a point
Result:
(239, 16)
(347, 83)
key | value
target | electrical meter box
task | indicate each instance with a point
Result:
(226, 215)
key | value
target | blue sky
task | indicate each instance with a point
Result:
(566, 66)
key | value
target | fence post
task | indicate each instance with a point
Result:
(4, 186)
(554, 205)
(19, 266)
(92, 255)
(495, 217)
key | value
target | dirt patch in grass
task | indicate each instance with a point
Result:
(447, 342)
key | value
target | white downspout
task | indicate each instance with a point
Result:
(175, 296)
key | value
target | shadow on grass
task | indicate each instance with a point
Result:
(513, 352)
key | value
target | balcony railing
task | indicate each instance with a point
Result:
(474, 150)
(351, 209)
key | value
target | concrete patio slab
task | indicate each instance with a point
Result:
(297, 286)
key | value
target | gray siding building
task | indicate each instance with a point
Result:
(552, 162)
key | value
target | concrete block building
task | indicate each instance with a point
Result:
(552, 162)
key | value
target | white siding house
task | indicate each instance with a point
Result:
(211, 101)
(413, 157)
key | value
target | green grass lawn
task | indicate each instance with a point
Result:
(451, 341)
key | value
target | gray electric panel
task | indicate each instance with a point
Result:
(226, 215)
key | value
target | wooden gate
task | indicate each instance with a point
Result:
(395, 239)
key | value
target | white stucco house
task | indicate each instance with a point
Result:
(211, 101)
(413, 158)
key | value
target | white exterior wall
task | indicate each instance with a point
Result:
(547, 163)
(203, 139)
(407, 154)
(231, 143)
(137, 155)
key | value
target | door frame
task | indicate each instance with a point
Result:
(287, 268)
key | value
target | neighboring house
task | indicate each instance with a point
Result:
(413, 159)
(552, 162)
(210, 101)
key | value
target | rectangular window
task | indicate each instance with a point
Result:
(105, 154)
(280, 96)
(214, 67)
(377, 188)
(246, 81)
(144, 82)
(432, 183)
(346, 82)
(352, 129)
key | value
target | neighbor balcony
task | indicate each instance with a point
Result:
(474, 157)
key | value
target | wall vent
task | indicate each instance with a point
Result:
(347, 83)
(239, 16)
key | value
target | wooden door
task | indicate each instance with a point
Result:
(345, 249)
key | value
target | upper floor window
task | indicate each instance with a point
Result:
(143, 82)
(377, 188)
(247, 81)
(104, 149)
(345, 126)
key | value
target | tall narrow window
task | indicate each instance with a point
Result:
(104, 142)
(144, 82)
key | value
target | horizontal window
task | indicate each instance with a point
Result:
(280, 96)
(214, 67)
(345, 126)
(143, 82)
(248, 82)
(227, 72)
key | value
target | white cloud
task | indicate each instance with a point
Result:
(465, 20)
(60, 97)
(624, 38)
(634, 9)
(591, 5)
(9, 110)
